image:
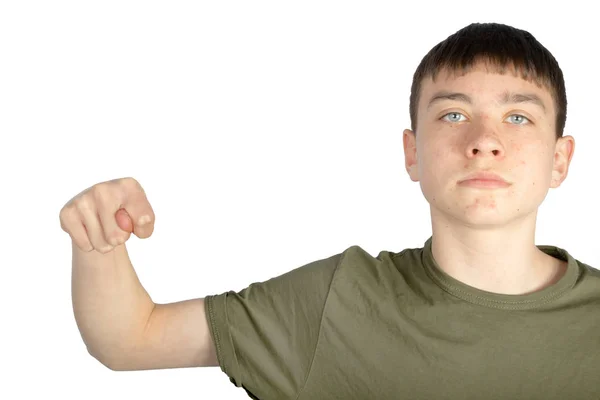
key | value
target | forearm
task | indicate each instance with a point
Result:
(110, 304)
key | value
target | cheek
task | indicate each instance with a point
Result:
(531, 166)
(523, 153)
(435, 168)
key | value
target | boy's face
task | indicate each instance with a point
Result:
(515, 140)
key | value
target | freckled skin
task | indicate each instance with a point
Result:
(525, 153)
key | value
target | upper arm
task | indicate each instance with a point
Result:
(267, 333)
(176, 336)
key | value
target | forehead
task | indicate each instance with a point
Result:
(483, 82)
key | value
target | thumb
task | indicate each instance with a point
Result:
(124, 220)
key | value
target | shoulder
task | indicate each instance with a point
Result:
(588, 270)
(358, 265)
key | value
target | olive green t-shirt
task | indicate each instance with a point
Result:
(395, 326)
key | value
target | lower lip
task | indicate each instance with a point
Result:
(484, 183)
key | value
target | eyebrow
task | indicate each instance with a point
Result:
(505, 98)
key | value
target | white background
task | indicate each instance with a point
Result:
(267, 135)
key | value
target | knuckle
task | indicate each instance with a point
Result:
(65, 217)
(128, 182)
(83, 203)
(70, 220)
(84, 244)
(106, 249)
(133, 181)
(132, 184)
(116, 240)
(103, 248)
(102, 194)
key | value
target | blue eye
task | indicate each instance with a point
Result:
(452, 119)
(522, 118)
(519, 120)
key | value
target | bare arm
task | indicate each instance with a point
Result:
(110, 304)
(119, 323)
(124, 329)
(177, 336)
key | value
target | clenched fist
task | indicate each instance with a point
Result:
(104, 215)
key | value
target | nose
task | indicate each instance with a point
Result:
(483, 142)
(482, 149)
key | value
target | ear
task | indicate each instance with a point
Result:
(563, 153)
(410, 154)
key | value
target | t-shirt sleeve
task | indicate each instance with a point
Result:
(266, 334)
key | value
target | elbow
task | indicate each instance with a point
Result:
(110, 363)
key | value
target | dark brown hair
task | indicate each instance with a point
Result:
(502, 47)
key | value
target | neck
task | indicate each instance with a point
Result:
(500, 260)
